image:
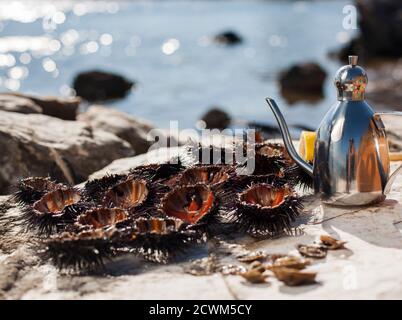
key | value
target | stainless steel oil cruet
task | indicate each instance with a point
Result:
(351, 158)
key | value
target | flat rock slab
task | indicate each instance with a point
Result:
(39, 145)
(370, 267)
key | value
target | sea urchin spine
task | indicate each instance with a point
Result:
(53, 210)
(265, 210)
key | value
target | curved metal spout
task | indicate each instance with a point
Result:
(287, 138)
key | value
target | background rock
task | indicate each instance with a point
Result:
(98, 85)
(216, 118)
(228, 38)
(63, 108)
(18, 104)
(303, 81)
(40, 145)
(380, 24)
(133, 130)
(123, 165)
(384, 89)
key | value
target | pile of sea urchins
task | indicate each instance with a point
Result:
(158, 211)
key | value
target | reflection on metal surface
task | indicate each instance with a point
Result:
(351, 161)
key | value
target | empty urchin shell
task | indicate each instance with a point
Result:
(128, 194)
(194, 204)
(160, 239)
(269, 158)
(84, 250)
(101, 217)
(94, 189)
(208, 154)
(212, 175)
(54, 210)
(298, 177)
(157, 172)
(266, 209)
(32, 189)
(135, 195)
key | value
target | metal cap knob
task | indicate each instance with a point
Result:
(351, 81)
(353, 60)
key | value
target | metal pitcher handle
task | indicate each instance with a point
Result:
(391, 180)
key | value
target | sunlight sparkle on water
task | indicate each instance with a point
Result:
(12, 84)
(170, 46)
(89, 47)
(7, 60)
(49, 65)
(66, 90)
(54, 45)
(18, 73)
(39, 45)
(342, 37)
(277, 41)
(25, 58)
(106, 39)
(59, 17)
(70, 37)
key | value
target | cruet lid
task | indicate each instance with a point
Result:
(351, 81)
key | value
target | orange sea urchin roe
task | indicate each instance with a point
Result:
(196, 209)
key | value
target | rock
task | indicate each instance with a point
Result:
(63, 108)
(98, 85)
(385, 92)
(367, 269)
(40, 145)
(228, 38)
(133, 130)
(305, 78)
(121, 166)
(353, 47)
(380, 24)
(216, 118)
(18, 104)
(384, 89)
(303, 82)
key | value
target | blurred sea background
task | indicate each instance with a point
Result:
(166, 47)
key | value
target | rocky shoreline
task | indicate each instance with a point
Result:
(35, 143)
(105, 141)
(373, 243)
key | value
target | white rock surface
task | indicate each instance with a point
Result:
(136, 131)
(370, 268)
(39, 145)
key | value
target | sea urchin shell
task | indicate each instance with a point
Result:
(102, 217)
(94, 190)
(54, 209)
(31, 189)
(294, 277)
(190, 203)
(85, 250)
(160, 239)
(266, 210)
(127, 194)
(269, 158)
(208, 174)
